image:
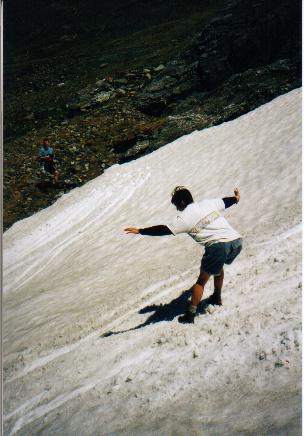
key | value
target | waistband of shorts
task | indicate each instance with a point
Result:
(211, 243)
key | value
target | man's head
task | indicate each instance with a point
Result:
(181, 197)
(45, 143)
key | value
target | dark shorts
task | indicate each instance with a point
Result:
(49, 167)
(216, 255)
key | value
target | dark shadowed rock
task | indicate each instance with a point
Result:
(248, 34)
(245, 54)
(90, 96)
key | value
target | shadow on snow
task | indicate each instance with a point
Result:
(164, 312)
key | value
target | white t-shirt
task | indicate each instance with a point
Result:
(204, 223)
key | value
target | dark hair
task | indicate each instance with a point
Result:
(45, 140)
(181, 197)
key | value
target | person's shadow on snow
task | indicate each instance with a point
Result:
(165, 312)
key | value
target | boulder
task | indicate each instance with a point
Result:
(90, 96)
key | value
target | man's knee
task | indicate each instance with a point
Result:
(203, 278)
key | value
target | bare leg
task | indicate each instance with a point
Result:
(218, 283)
(56, 177)
(215, 298)
(198, 288)
(197, 293)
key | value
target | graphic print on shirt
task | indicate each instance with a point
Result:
(204, 222)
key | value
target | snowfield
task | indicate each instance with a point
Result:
(91, 341)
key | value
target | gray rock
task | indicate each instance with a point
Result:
(70, 37)
(99, 83)
(261, 355)
(120, 91)
(159, 68)
(89, 97)
(102, 97)
(121, 81)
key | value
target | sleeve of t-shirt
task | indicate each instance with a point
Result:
(41, 154)
(178, 225)
(218, 204)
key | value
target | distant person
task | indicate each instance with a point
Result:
(46, 157)
(204, 223)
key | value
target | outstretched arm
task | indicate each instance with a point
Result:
(150, 231)
(230, 201)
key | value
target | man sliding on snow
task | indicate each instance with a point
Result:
(204, 223)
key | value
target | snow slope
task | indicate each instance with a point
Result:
(71, 274)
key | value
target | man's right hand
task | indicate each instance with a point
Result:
(132, 230)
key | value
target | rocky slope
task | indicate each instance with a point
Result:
(119, 83)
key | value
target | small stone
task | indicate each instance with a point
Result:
(195, 354)
(128, 379)
(121, 81)
(261, 355)
(120, 92)
(159, 68)
(102, 97)
(99, 82)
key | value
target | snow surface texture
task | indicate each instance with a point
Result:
(71, 274)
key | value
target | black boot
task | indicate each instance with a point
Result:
(187, 318)
(215, 299)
